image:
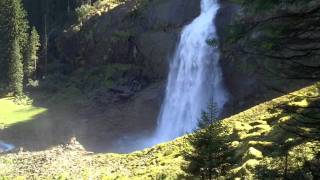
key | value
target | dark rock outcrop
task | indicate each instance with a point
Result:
(145, 36)
(241, 83)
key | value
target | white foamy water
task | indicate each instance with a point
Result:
(194, 78)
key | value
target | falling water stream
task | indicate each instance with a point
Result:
(194, 78)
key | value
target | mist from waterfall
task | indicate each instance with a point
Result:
(194, 78)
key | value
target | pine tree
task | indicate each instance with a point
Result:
(16, 69)
(209, 116)
(30, 63)
(3, 44)
(210, 149)
(14, 27)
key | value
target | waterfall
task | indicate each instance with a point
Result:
(194, 78)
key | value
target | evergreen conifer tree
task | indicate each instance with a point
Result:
(210, 149)
(16, 69)
(14, 26)
(30, 63)
(3, 44)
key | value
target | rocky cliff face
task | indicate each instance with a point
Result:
(142, 37)
(145, 36)
(245, 76)
(242, 84)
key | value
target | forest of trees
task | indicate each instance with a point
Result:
(19, 46)
(23, 33)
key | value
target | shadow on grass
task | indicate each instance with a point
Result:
(59, 124)
(299, 124)
(38, 133)
(99, 128)
(285, 131)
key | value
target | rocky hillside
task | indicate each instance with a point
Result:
(265, 140)
(143, 33)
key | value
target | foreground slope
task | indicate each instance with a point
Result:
(266, 140)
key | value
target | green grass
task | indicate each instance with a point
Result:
(12, 113)
(260, 136)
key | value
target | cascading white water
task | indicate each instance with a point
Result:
(194, 77)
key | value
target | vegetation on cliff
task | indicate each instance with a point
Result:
(280, 36)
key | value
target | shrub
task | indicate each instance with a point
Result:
(83, 12)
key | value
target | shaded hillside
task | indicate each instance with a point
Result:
(261, 137)
(143, 33)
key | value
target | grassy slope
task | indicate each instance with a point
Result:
(258, 134)
(11, 113)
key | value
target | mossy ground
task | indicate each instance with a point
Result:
(262, 138)
(264, 135)
(12, 112)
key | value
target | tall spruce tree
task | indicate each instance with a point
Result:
(3, 45)
(30, 62)
(209, 157)
(16, 69)
(14, 27)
